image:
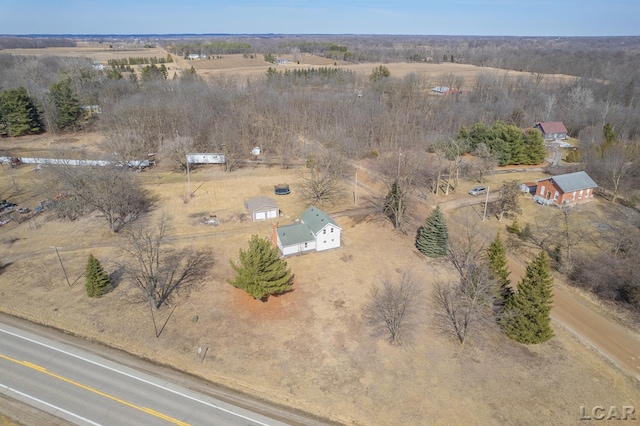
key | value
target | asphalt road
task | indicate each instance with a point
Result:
(83, 388)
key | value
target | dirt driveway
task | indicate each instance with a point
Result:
(613, 341)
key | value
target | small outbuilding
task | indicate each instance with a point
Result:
(262, 208)
(561, 190)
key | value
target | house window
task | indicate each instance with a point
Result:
(574, 196)
(586, 194)
(324, 231)
(555, 197)
(580, 195)
(324, 242)
(331, 229)
(542, 191)
(305, 245)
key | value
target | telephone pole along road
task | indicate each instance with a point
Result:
(65, 381)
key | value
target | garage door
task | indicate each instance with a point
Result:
(261, 216)
(272, 213)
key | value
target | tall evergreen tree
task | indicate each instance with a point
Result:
(66, 104)
(18, 113)
(260, 271)
(98, 281)
(433, 237)
(499, 272)
(526, 316)
(534, 146)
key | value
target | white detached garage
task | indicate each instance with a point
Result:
(262, 208)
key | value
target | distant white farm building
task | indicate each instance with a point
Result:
(262, 208)
(316, 231)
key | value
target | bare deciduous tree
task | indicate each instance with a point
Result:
(158, 269)
(320, 186)
(176, 150)
(509, 199)
(462, 305)
(392, 307)
(114, 192)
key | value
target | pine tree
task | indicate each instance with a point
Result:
(260, 272)
(394, 205)
(526, 317)
(97, 280)
(65, 103)
(18, 113)
(534, 146)
(498, 271)
(433, 237)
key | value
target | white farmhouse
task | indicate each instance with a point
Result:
(316, 231)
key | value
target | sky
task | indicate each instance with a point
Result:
(409, 17)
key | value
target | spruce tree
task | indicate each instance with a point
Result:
(394, 205)
(498, 271)
(18, 113)
(97, 280)
(65, 103)
(433, 237)
(534, 146)
(260, 271)
(527, 317)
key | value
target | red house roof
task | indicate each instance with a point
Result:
(549, 127)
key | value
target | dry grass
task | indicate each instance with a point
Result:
(309, 348)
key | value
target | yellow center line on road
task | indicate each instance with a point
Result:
(97, 392)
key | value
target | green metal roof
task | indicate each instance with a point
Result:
(316, 219)
(295, 234)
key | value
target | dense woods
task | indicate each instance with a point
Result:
(296, 115)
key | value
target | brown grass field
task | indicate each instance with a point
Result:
(309, 348)
(236, 65)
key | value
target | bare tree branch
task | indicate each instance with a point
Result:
(158, 269)
(392, 307)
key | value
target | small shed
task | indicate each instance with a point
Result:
(262, 208)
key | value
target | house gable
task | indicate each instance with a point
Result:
(552, 129)
(316, 219)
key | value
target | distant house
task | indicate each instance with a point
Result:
(193, 56)
(571, 188)
(440, 90)
(316, 231)
(261, 208)
(552, 130)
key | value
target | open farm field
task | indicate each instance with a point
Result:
(310, 348)
(237, 65)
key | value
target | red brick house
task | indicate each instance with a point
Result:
(561, 190)
(552, 130)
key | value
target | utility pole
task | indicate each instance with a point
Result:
(188, 176)
(486, 200)
(355, 191)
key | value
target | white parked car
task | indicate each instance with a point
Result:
(478, 190)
